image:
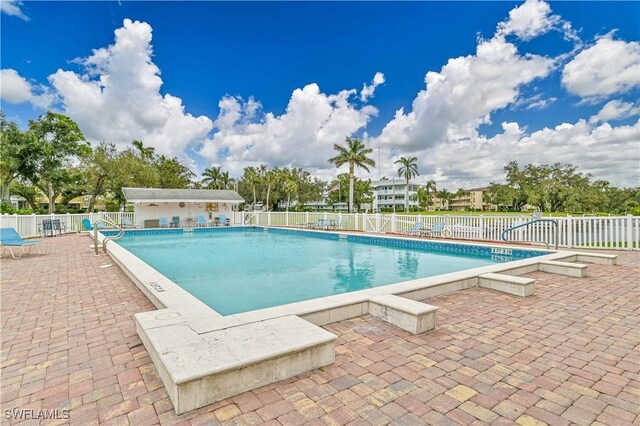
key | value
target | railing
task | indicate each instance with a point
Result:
(529, 237)
(613, 232)
(106, 239)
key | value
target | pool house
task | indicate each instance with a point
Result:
(182, 207)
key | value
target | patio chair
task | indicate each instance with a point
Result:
(47, 227)
(126, 223)
(418, 229)
(59, 226)
(201, 221)
(164, 222)
(175, 221)
(10, 239)
(224, 220)
(438, 230)
(86, 224)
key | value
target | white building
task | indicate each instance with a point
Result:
(151, 204)
(388, 192)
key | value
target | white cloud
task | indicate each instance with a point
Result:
(464, 94)
(117, 98)
(15, 89)
(610, 153)
(303, 136)
(368, 90)
(529, 20)
(616, 110)
(12, 8)
(606, 68)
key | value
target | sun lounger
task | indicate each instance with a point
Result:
(438, 230)
(10, 239)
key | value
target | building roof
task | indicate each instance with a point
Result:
(482, 188)
(184, 195)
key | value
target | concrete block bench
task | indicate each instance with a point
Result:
(564, 268)
(406, 314)
(597, 258)
(518, 286)
(199, 369)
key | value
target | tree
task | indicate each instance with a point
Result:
(212, 177)
(430, 187)
(362, 190)
(355, 154)
(172, 173)
(99, 169)
(60, 144)
(290, 187)
(18, 151)
(271, 179)
(408, 169)
(445, 196)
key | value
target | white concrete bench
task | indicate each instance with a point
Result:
(407, 314)
(518, 286)
(597, 258)
(199, 369)
(564, 268)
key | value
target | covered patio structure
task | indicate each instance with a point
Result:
(184, 205)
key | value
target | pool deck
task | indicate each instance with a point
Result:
(570, 354)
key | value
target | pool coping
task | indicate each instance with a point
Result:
(185, 325)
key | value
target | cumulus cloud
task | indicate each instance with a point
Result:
(529, 20)
(13, 8)
(117, 97)
(15, 89)
(606, 68)
(303, 136)
(616, 110)
(467, 90)
(368, 89)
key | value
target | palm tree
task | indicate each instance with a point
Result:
(251, 178)
(430, 187)
(444, 195)
(408, 169)
(271, 179)
(226, 181)
(289, 187)
(212, 177)
(354, 153)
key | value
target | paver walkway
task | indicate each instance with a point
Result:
(569, 354)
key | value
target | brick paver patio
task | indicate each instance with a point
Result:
(568, 355)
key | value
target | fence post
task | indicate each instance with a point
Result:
(68, 222)
(355, 221)
(394, 224)
(34, 225)
(269, 218)
(286, 218)
(629, 232)
(481, 225)
(378, 228)
(569, 231)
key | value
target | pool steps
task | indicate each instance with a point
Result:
(510, 284)
(409, 315)
(564, 268)
(200, 369)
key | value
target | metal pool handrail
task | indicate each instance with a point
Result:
(106, 239)
(555, 223)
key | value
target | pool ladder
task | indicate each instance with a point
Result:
(503, 236)
(96, 246)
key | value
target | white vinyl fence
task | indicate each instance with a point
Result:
(615, 232)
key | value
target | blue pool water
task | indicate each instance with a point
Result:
(239, 270)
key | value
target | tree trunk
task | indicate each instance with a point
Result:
(288, 200)
(351, 183)
(406, 197)
(52, 199)
(268, 193)
(255, 200)
(6, 194)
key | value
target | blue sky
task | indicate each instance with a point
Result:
(550, 64)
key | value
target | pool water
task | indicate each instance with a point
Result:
(243, 270)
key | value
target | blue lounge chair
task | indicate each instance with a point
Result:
(175, 221)
(201, 221)
(86, 224)
(126, 223)
(164, 222)
(438, 230)
(418, 229)
(9, 239)
(224, 220)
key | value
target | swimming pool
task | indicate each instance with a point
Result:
(240, 269)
